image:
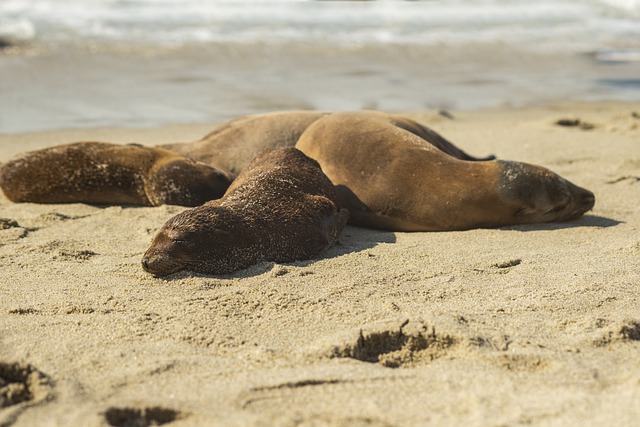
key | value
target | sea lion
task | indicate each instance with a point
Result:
(101, 173)
(428, 183)
(232, 145)
(281, 208)
(390, 177)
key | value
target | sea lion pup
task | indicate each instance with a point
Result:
(391, 178)
(281, 208)
(101, 173)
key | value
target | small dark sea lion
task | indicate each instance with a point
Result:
(101, 173)
(281, 208)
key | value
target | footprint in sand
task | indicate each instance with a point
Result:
(10, 230)
(522, 362)
(66, 250)
(295, 403)
(140, 417)
(53, 217)
(625, 331)
(24, 311)
(575, 123)
(21, 384)
(407, 346)
(627, 172)
(392, 344)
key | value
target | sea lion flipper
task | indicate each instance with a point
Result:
(343, 218)
(104, 173)
(180, 181)
(435, 139)
(333, 219)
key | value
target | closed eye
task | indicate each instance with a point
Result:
(525, 211)
(557, 208)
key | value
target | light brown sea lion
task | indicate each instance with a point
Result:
(389, 177)
(232, 145)
(101, 173)
(281, 208)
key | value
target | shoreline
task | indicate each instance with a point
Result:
(106, 89)
(533, 324)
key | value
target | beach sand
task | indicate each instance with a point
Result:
(528, 325)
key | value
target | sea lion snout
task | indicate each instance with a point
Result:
(160, 266)
(583, 202)
(541, 195)
(159, 263)
(145, 265)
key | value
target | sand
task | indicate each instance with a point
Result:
(528, 325)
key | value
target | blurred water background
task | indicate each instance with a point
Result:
(139, 63)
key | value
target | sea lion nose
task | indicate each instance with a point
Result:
(145, 264)
(588, 199)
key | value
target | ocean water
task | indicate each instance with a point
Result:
(82, 63)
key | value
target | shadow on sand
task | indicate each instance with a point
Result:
(352, 239)
(356, 239)
(593, 221)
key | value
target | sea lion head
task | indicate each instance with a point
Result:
(180, 181)
(205, 239)
(540, 195)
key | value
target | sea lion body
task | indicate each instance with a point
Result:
(232, 145)
(391, 172)
(390, 177)
(101, 173)
(281, 208)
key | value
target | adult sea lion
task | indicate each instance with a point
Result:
(232, 145)
(281, 208)
(101, 173)
(390, 177)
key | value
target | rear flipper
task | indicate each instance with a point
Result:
(437, 140)
(333, 223)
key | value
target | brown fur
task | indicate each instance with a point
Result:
(394, 173)
(281, 208)
(231, 146)
(92, 172)
(390, 177)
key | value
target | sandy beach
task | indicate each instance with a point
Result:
(528, 325)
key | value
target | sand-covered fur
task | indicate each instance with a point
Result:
(104, 173)
(281, 208)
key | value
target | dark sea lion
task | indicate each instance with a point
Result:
(281, 208)
(390, 177)
(101, 173)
